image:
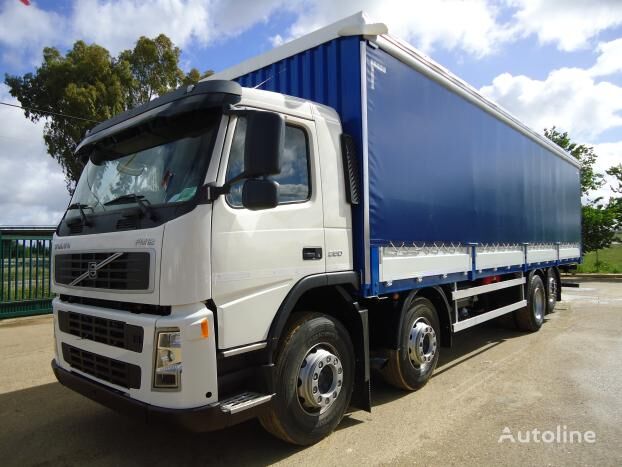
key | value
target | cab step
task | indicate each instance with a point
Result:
(244, 401)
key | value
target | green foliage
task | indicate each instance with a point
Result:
(87, 82)
(615, 203)
(598, 229)
(152, 65)
(590, 180)
(616, 172)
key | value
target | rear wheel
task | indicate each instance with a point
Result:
(412, 365)
(531, 317)
(552, 287)
(314, 380)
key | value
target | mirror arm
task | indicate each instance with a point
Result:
(213, 191)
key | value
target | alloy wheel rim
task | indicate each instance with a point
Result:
(538, 303)
(422, 344)
(320, 379)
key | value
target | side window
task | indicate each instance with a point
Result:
(293, 180)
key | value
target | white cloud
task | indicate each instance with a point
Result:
(452, 24)
(568, 98)
(231, 17)
(33, 190)
(277, 40)
(610, 59)
(476, 26)
(569, 24)
(25, 30)
(117, 24)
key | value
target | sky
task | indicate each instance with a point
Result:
(549, 62)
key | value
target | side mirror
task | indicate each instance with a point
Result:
(260, 194)
(263, 149)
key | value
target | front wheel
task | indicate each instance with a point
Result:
(314, 380)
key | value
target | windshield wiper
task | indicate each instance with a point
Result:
(143, 204)
(85, 220)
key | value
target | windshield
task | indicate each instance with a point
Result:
(164, 174)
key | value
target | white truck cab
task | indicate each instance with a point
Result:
(145, 313)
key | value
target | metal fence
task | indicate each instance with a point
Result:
(25, 271)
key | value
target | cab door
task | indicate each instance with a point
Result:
(258, 256)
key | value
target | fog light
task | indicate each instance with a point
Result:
(168, 363)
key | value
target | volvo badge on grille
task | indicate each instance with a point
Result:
(92, 268)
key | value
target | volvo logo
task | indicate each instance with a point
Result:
(92, 269)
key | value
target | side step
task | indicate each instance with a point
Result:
(244, 401)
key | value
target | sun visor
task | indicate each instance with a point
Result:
(167, 117)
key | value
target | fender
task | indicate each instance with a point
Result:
(298, 290)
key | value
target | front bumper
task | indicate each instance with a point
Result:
(199, 384)
(206, 418)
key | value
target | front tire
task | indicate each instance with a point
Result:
(412, 365)
(314, 380)
(532, 317)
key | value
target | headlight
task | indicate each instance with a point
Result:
(168, 363)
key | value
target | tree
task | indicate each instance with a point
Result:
(90, 85)
(616, 201)
(590, 180)
(598, 220)
(598, 229)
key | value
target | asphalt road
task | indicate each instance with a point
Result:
(568, 375)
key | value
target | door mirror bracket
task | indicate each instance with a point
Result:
(211, 192)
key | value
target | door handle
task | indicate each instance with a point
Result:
(311, 253)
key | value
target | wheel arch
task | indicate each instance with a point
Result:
(314, 293)
(308, 287)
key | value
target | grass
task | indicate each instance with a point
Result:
(607, 260)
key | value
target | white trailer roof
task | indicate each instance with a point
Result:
(360, 24)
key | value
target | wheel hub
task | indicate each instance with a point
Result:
(320, 379)
(421, 343)
(538, 303)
